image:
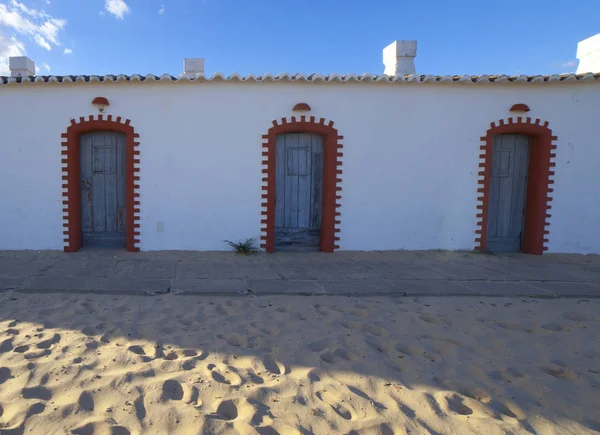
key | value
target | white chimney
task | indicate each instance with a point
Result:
(21, 66)
(588, 53)
(399, 58)
(193, 66)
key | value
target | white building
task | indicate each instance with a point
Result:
(319, 162)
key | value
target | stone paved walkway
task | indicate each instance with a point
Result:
(401, 273)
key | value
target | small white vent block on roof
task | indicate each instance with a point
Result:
(193, 66)
(399, 58)
(588, 53)
(21, 66)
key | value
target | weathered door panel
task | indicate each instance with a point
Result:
(508, 188)
(298, 191)
(102, 177)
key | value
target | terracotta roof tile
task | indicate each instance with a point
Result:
(311, 78)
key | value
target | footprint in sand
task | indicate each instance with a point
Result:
(36, 408)
(409, 350)
(378, 406)
(333, 399)
(554, 327)
(41, 393)
(407, 410)
(378, 345)
(352, 325)
(359, 313)
(254, 342)
(560, 372)
(337, 355)
(86, 402)
(273, 366)
(235, 340)
(502, 408)
(22, 349)
(141, 375)
(226, 375)
(435, 406)
(46, 344)
(190, 364)
(475, 393)
(375, 330)
(429, 319)
(172, 390)
(318, 345)
(4, 374)
(12, 331)
(138, 350)
(507, 375)
(253, 377)
(227, 410)
(456, 404)
(322, 311)
(432, 357)
(100, 427)
(89, 331)
(171, 356)
(379, 429)
(267, 330)
(313, 376)
(189, 353)
(93, 345)
(38, 354)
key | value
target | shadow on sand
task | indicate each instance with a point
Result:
(297, 364)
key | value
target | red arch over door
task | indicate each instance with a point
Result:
(70, 177)
(538, 181)
(332, 149)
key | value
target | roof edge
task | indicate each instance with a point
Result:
(311, 78)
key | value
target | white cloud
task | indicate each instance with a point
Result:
(162, 10)
(28, 11)
(117, 7)
(46, 66)
(9, 47)
(51, 28)
(569, 64)
(68, 51)
(42, 42)
(563, 66)
(42, 28)
(12, 18)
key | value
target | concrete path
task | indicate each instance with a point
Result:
(397, 273)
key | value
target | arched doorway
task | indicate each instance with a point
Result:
(301, 185)
(100, 204)
(515, 186)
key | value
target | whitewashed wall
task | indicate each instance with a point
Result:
(409, 166)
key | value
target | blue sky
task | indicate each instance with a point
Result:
(153, 36)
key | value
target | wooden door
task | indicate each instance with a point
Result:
(298, 191)
(508, 189)
(102, 169)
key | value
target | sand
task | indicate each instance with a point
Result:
(98, 364)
